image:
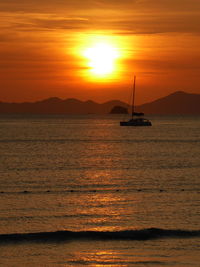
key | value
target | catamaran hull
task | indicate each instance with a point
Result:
(126, 123)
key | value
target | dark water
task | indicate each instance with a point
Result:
(79, 191)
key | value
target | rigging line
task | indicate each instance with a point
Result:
(128, 104)
(133, 98)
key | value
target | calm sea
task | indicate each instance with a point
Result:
(83, 191)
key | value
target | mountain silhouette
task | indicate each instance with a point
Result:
(176, 103)
(56, 105)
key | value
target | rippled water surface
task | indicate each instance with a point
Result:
(89, 174)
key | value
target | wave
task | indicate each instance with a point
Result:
(104, 190)
(74, 140)
(57, 236)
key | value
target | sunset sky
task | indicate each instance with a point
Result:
(90, 49)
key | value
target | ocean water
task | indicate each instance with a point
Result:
(83, 191)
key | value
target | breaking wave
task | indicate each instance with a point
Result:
(143, 234)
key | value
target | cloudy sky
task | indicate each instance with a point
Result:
(42, 44)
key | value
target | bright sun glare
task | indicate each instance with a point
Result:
(101, 58)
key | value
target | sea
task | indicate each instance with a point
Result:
(84, 191)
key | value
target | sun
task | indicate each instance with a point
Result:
(101, 58)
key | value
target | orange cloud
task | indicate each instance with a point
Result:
(159, 38)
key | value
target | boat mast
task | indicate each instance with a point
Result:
(133, 99)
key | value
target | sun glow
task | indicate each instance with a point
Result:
(101, 58)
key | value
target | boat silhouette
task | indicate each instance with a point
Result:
(137, 118)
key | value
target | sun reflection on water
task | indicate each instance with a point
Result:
(101, 202)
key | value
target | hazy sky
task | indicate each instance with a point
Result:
(42, 45)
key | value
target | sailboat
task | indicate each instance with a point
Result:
(137, 119)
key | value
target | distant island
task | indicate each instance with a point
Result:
(176, 103)
(119, 110)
